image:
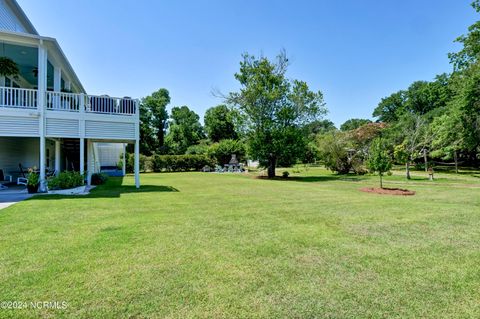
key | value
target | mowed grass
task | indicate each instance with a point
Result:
(206, 245)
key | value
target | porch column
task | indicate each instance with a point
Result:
(42, 88)
(90, 162)
(124, 165)
(57, 157)
(137, 163)
(137, 144)
(82, 156)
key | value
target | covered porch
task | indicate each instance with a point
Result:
(19, 155)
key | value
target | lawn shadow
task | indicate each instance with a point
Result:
(113, 188)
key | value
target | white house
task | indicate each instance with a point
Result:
(47, 119)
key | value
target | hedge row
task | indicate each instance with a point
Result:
(170, 163)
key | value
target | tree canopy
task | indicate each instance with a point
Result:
(275, 109)
(185, 130)
(220, 123)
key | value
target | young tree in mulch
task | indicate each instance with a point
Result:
(379, 160)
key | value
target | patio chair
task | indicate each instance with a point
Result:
(22, 180)
(4, 179)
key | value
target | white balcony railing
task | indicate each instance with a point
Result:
(18, 98)
(70, 102)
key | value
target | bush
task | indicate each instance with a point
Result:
(66, 180)
(146, 164)
(170, 163)
(285, 174)
(99, 178)
(333, 149)
(222, 151)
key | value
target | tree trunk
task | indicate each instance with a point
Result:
(381, 181)
(272, 162)
(407, 169)
(161, 137)
(425, 159)
(455, 158)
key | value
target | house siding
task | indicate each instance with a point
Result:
(109, 130)
(62, 128)
(8, 20)
(19, 126)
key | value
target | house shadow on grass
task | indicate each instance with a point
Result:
(113, 188)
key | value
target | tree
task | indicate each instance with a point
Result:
(318, 127)
(379, 159)
(219, 123)
(353, 124)
(390, 107)
(334, 150)
(470, 52)
(185, 130)
(154, 119)
(148, 141)
(275, 110)
(447, 131)
(411, 135)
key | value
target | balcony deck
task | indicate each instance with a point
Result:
(67, 115)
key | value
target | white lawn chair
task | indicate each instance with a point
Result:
(22, 180)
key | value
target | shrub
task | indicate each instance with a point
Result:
(285, 174)
(145, 162)
(333, 149)
(66, 180)
(176, 163)
(222, 151)
(170, 163)
(198, 149)
(99, 178)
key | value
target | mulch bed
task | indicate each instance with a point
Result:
(388, 191)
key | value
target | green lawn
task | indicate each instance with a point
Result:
(206, 245)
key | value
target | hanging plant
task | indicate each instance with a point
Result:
(8, 67)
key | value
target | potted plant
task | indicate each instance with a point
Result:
(8, 67)
(32, 182)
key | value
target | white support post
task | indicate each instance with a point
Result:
(82, 156)
(90, 162)
(137, 144)
(57, 157)
(137, 164)
(124, 164)
(42, 88)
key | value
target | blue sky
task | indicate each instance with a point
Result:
(355, 52)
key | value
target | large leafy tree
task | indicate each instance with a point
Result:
(275, 110)
(390, 107)
(154, 121)
(318, 127)
(185, 130)
(220, 123)
(470, 53)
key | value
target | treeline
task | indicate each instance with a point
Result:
(278, 121)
